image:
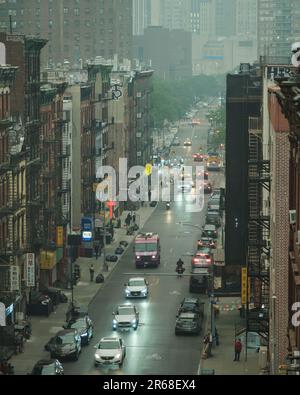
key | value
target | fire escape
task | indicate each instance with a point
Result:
(259, 183)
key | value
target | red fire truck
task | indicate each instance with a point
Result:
(147, 250)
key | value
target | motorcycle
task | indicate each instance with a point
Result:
(180, 270)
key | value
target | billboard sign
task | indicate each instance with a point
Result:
(14, 278)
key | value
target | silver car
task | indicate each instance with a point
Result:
(110, 351)
(137, 288)
(125, 317)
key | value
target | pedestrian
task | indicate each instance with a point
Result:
(92, 272)
(217, 338)
(134, 218)
(97, 250)
(237, 349)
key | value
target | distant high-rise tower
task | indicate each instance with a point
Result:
(246, 18)
(139, 17)
(202, 20)
(175, 14)
(75, 29)
(225, 17)
(275, 27)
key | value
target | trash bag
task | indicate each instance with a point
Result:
(100, 279)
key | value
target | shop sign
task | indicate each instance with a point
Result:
(14, 278)
(30, 270)
(59, 236)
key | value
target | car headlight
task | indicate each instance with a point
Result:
(144, 291)
(127, 291)
(84, 334)
(115, 322)
(118, 356)
(134, 322)
(153, 256)
(97, 357)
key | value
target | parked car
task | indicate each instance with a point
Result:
(213, 218)
(214, 205)
(125, 317)
(191, 305)
(110, 351)
(65, 344)
(207, 187)
(51, 367)
(137, 288)
(187, 143)
(210, 231)
(199, 280)
(188, 323)
(85, 327)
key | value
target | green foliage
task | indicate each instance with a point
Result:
(218, 121)
(172, 99)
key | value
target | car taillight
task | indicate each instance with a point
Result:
(195, 260)
(208, 260)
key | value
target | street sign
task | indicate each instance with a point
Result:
(148, 169)
(30, 270)
(87, 236)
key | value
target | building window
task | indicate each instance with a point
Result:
(76, 11)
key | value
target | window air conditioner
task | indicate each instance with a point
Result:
(293, 214)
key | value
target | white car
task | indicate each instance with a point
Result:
(125, 317)
(137, 288)
(110, 351)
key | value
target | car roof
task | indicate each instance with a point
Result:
(187, 315)
(209, 227)
(109, 339)
(205, 239)
(190, 300)
(204, 250)
(44, 362)
(137, 279)
(65, 332)
(213, 212)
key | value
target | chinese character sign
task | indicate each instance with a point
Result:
(14, 278)
(30, 270)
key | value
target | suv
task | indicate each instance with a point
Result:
(137, 288)
(84, 325)
(210, 231)
(126, 317)
(191, 305)
(66, 343)
(213, 218)
(199, 280)
(188, 323)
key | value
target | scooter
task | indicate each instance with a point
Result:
(180, 270)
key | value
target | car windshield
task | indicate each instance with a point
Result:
(136, 283)
(78, 324)
(144, 247)
(125, 311)
(109, 345)
(44, 370)
(189, 306)
(63, 339)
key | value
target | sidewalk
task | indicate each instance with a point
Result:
(43, 328)
(222, 356)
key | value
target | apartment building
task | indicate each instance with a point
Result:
(75, 30)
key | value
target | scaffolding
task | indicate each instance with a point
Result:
(259, 180)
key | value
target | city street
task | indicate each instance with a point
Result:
(154, 348)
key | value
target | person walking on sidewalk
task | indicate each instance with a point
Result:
(133, 218)
(237, 349)
(92, 272)
(97, 250)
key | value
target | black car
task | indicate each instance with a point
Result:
(50, 367)
(65, 344)
(84, 326)
(199, 280)
(213, 218)
(188, 323)
(191, 305)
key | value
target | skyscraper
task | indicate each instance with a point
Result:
(175, 14)
(139, 17)
(75, 30)
(246, 18)
(275, 27)
(225, 17)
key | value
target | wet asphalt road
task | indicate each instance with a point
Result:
(154, 349)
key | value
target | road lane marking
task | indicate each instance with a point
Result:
(171, 250)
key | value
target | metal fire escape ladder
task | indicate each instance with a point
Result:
(258, 234)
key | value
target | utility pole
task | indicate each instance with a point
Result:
(105, 266)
